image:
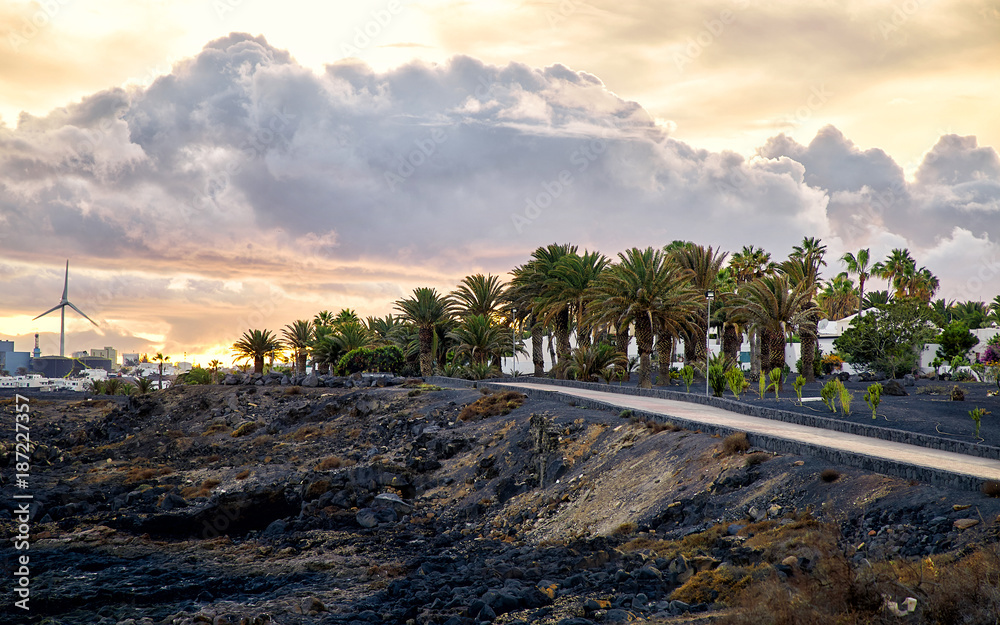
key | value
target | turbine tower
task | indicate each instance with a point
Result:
(61, 307)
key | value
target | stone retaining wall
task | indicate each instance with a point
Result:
(936, 477)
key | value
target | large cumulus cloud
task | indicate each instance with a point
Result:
(241, 165)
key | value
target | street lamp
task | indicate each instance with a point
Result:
(709, 295)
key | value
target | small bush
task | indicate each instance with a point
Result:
(991, 488)
(330, 462)
(388, 359)
(492, 405)
(293, 390)
(873, 397)
(717, 379)
(687, 375)
(737, 381)
(215, 429)
(757, 458)
(735, 444)
(244, 474)
(625, 529)
(957, 394)
(830, 392)
(655, 427)
(829, 475)
(246, 428)
(625, 414)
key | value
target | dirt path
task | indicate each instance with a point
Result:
(898, 452)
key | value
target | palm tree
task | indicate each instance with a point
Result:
(839, 298)
(213, 366)
(594, 361)
(750, 264)
(352, 335)
(160, 358)
(860, 265)
(385, 330)
(520, 297)
(346, 315)
(568, 281)
(777, 308)
(802, 267)
(640, 288)
(425, 309)
(878, 299)
(895, 268)
(299, 337)
(528, 293)
(478, 295)
(994, 315)
(256, 345)
(702, 265)
(480, 339)
(972, 314)
(323, 319)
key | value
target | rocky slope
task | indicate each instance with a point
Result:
(412, 504)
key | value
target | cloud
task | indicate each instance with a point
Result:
(349, 187)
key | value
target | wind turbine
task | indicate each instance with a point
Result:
(61, 307)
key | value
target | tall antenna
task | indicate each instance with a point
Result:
(61, 307)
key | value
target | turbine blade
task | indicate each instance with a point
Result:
(70, 304)
(66, 282)
(53, 309)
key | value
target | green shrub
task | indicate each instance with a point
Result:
(687, 374)
(197, 375)
(717, 379)
(775, 377)
(797, 385)
(845, 400)
(873, 396)
(829, 393)
(737, 381)
(761, 385)
(977, 415)
(388, 359)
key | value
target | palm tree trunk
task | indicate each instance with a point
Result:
(258, 366)
(562, 339)
(808, 354)
(537, 355)
(690, 348)
(664, 346)
(426, 337)
(582, 329)
(622, 339)
(644, 341)
(755, 355)
(301, 362)
(775, 343)
(731, 342)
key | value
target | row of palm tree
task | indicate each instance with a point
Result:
(659, 294)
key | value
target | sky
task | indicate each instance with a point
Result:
(209, 166)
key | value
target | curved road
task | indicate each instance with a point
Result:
(983, 468)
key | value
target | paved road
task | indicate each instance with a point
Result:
(983, 468)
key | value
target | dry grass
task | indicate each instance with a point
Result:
(304, 432)
(829, 475)
(991, 488)
(262, 440)
(333, 462)
(735, 444)
(244, 474)
(215, 429)
(202, 490)
(948, 588)
(757, 458)
(293, 390)
(492, 405)
(246, 429)
(625, 529)
(655, 427)
(139, 474)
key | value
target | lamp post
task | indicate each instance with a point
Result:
(709, 295)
